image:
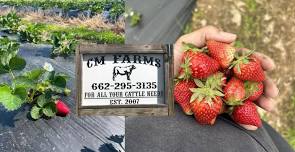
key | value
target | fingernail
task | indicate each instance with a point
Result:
(249, 127)
(228, 35)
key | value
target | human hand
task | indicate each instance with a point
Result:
(199, 39)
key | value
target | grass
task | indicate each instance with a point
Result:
(83, 33)
(290, 133)
(104, 36)
(95, 22)
(250, 27)
(290, 137)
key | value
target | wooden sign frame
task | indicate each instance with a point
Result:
(165, 109)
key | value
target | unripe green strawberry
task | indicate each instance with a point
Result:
(253, 90)
(234, 92)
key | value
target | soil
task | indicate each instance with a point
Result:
(268, 27)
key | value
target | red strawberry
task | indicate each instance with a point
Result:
(223, 53)
(248, 67)
(189, 50)
(234, 92)
(197, 64)
(246, 114)
(206, 103)
(182, 94)
(205, 112)
(62, 109)
(253, 90)
(203, 66)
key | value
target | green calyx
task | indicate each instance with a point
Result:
(186, 65)
(204, 91)
(250, 87)
(191, 47)
(241, 57)
(234, 102)
(216, 81)
(230, 109)
(186, 69)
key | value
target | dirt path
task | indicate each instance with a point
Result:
(266, 26)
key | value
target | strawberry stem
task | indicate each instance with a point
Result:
(190, 47)
(243, 58)
(186, 69)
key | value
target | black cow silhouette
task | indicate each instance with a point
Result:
(127, 70)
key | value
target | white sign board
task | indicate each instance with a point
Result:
(122, 79)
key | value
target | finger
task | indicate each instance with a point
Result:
(200, 37)
(266, 62)
(271, 90)
(265, 103)
(249, 127)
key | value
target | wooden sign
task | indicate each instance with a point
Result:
(124, 79)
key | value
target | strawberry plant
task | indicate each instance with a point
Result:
(94, 5)
(117, 9)
(39, 87)
(10, 22)
(30, 33)
(63, 44)
(133, 16)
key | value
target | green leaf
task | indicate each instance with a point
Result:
(22, 81)
(8, 50)
(17, 63)
(49, 109)
(200, 97)
(34, 74)
(194, 97)
(56, 89)
(48, 75)
(199, 83)
(191, 47)
(21, 92)
(36, 112)
(9, 101)
(59, 81)
(41, 101)
(218, 93)
(3, 69)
